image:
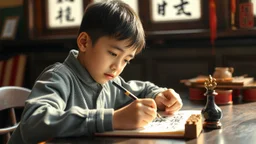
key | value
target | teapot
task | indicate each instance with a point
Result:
(223, 72)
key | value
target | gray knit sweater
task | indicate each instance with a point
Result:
(65, 101)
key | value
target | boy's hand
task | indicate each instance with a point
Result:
(135, 115)
(169, 101)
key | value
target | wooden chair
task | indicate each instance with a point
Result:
(12, 97)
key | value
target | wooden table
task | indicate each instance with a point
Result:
(238, 127)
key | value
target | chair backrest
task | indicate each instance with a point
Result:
(12, 97)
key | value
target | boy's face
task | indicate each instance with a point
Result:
(106, 59)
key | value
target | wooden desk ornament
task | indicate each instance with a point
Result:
(211, 112)
(193, 126)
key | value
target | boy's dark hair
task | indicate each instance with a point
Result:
(115, 19)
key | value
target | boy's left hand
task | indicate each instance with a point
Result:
(169, 101)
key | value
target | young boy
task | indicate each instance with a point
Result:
(77, 97)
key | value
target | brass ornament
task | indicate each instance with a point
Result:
(210, 83)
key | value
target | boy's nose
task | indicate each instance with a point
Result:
(116, 65)
(113, 67)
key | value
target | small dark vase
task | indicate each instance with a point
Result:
(211, 112)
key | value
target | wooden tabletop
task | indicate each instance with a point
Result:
(238, 127)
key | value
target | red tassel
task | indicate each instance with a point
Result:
(233, 11)
(213, 21)
(233, 6)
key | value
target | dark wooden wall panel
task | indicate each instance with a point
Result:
(165, 66)
(136, 70)
(37, 62)
(169, 71)
(243, 64)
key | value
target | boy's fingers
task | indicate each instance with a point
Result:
(175, 107)
(149, 115)
(149, 108)
(167, 102)
(175, 100)
(149, 102)
(169, 97)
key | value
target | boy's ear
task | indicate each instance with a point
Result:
(82, 41)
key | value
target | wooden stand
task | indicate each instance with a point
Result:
(212, 125)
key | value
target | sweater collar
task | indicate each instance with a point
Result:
(73, 63)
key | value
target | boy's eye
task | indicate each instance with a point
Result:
(111, 53)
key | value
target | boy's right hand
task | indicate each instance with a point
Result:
(135, 115)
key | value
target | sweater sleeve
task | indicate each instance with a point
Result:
(47, 114)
